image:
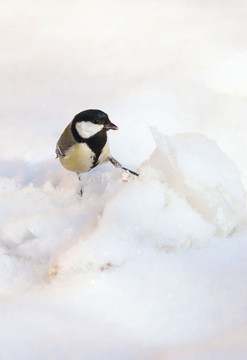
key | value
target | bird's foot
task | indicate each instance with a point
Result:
(118, 165)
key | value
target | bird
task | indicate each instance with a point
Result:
(84, 144)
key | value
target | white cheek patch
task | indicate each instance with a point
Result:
(86, 129)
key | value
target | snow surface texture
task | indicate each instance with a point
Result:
(147, 268)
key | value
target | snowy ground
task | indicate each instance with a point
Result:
(149, 269)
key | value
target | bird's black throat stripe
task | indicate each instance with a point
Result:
(96, 142)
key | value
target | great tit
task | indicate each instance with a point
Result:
(84, 143)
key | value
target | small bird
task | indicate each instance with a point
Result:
(84, 143)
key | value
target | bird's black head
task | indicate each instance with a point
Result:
(89, 122)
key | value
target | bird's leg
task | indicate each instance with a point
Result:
(118, 165)
(81, 188)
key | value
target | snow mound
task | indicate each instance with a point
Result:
(188, 194)
(196, 169)
(132, 257)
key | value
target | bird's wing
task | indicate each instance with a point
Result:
(58, 151)
(65, 141)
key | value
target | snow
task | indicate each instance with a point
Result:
(140, 268)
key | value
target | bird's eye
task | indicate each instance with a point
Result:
(96, 121)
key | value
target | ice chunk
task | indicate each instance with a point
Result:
(197, 169)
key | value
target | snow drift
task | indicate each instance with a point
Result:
(118, 244)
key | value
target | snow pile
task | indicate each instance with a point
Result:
(118, 273)
(197, 169)
(186, 193)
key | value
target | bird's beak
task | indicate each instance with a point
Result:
(110, 126)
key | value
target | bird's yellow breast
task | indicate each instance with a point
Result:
(80, 158)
